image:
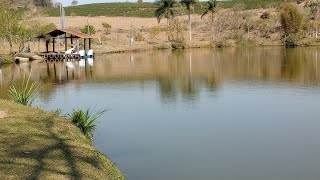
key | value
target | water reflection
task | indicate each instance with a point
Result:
(179, 72)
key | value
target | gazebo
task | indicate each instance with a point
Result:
(62, 35)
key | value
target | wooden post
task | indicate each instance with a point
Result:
(89, 43)
(65, 42)
(53, 44)
(78, 45)
(84, 42)
(38, 45)
(47, 45)
(71, 39)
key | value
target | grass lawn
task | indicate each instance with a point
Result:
(39, 145)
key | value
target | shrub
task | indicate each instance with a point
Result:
(292, 40)
(154, 32)
(85, 120)
(107, 27)
(291, 19)
(178, 44)
(88, 29)
(6, 59)
(25, 92)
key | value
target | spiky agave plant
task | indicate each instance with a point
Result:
(85, 120)
(24, 93)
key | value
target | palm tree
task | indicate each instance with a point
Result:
(211, 7)
(190, 6)
(166, 9)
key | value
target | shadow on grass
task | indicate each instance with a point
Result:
(40, 149)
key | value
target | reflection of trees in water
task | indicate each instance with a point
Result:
(182, 72)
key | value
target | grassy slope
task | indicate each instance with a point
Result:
(145, 9)
(39, 145)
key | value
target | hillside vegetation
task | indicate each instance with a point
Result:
(147, 9)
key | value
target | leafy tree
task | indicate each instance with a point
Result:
(10, 19)
(190, 7)
(140, 1)
(43, 3)
(166, 9)
(291, 19)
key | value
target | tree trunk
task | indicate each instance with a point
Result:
(212, 28)
(190, 31)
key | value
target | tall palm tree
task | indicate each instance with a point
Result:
(166, 9)
(211, 7)
(190, 6)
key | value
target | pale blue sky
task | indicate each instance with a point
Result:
(68, 2)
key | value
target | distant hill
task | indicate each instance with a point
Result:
(146, 9)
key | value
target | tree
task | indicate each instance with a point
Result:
(166, 9)
(43, 3)
(291, 19)
(140, 1)
(10, 19)
(211, 7)
(314, 12)
(74, 2)
(190, 7)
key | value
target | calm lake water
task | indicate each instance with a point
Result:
(226, 114)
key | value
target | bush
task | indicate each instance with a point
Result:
(6, 59)
(85, 120)
(291, 19)
(88, 29)
(25, 92)
(178, 44)
(292, 40)
(107, 27)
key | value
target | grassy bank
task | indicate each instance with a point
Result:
(40, 145)
(147, 9)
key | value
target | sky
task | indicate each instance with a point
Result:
(68, 2)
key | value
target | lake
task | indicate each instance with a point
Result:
(233, 113)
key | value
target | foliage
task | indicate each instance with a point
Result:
(85, 120)
(291, 19)
(211, 7)
(58, 112)
(6, 59)
(292, 40)
(107, 27)
(10, 22)
(24, 93)
(178, 44)
(147, 9)
(88, 29)
(43, 3)
(166, 9)
(74, 2)
(154, 32)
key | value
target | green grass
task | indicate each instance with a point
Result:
(146, 9)
(35, 144)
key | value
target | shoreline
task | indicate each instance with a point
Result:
(38, 144)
